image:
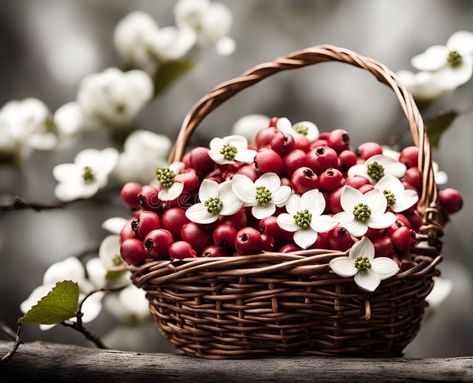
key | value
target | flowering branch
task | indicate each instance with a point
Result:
(16, 341)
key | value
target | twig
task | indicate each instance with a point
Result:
(16, 341)
(19, 203)
(78, 324)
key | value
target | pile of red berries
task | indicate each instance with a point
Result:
(234, 198)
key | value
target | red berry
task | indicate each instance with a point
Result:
(127, 232)
(129, 194)
(213, 251)
(318, 143)
(147, 221)
(356, 181)
(237, 220)
(148, 197)
(133, 252)
(339, 140)
(331, 179)
(374, 233)
(157, 243)
(409, 156)
(193, 234)
(215, 175)
(404, 239)
(273, 122)
(172, 220)
(282, 143)
(269, 226)
(289, 248)
(339, 239)
(321, 242)
(366, 188)
(321, 158)
(413, 178)
(301, 142)
(181, 250)
(450, 200)
(294, 160)
(248, 241)
(403, 220)
(268, 242)
(347, 159)
(249, 171)
(265, 136)
(383, 247)
(334, 201)
(267, 160)
(415, 218)
(304, 179)
(189, 178)
(224, 235)
(200, 161)
(369, 149)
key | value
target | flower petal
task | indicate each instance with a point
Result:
(390, 183)
(92, 307)
(461, 41)
(381, 221)
(376, 201)
(286, 222)
(359, 170)
(294, 204)
(66, 172)
(343, 267)
(249, 125)
(395, 168)
(208, 189)
(305, 237)
(198, 213)
(231, 203)
(281, 195)
(177, 167)
(450, 78)
(367, 281)
(96, 272)
(346, 220)
(261, 212)
(350, 198)
(172, 192)
(323, 223)
(239, 142)
(385, 267)
(404, 200)
(245, 155)
(218, 157)
(216, 144)
(312, 130)
(284, 125)
(70, 268)
(432, 59)
(362, 248)
(269, 180)
(114, 225)
(244, 189)
(109, 249)
(314, 201)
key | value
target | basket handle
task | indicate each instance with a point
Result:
(320, 54)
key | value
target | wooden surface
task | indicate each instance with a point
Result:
(49, 362)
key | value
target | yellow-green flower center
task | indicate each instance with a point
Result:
(88, 175)
(454, 59)
(263, 196)
(229, 152)
(213, 205)
(362, 264)
(303, 218)
(117, 260)
(361, 212)
(301, 129)
(165, 177)
(376, 171)
(390, 197)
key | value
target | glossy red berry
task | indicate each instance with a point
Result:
(339, 140)
(346, 159)
(200, 161)
(330, 179)
(321, 159)
(334, 201)
(127, 232)
(293, 161)
(129, 194)
(301, 142)
(193, 234)
(356, 181)
(147, 221)
(415, 218)
(374, 233)
(339, 239)
(225, 235)
(157, 243)
(237, 220)
(413, 178)
(450, 200)
(267, 242)
(214, 251)
(321, 242)
(318, 143)
(189, 178)
(265, 136)
(148, 198)
(369, 149)
(289, 248)
(409, 156)
(181, 250)
(172, 220)
(404, 239)
(304, 179)
(403, 220)
(269, 226)
(282, 143)
(366, 188)
(248, 241)
(383, 247)
(273, 122)
(249, 171)
(133, 252)
(267, 160)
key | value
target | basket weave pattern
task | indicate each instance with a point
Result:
(285, 304)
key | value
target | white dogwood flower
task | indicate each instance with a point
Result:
(305, 128)
(70, 123)
(129, 305)
(215, 200)
(304, 218)
(89, 173)
(264, 195)
(441, 290)
(367, 270)
(376, 167)
(422, 85)
(229, 149)
(363, 211)
(114, 225)
(170, 188)
(452, 65)
(247, 126)
(397, 197)
(113, 98)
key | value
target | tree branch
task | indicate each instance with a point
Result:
(16, 341)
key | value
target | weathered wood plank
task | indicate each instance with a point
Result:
(47, 362)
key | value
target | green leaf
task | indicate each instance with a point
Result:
(57, 306)
(169, 72)
(438, 125)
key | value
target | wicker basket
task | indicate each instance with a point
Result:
(285, 304)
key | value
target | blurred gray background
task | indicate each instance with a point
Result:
(49, 45)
